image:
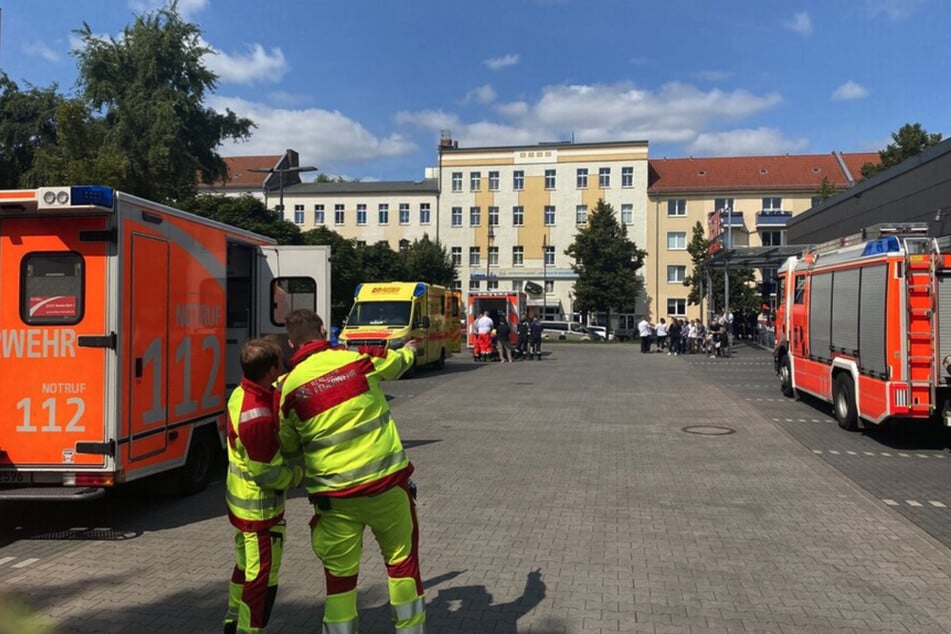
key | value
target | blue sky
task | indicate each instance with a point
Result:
(363, 88)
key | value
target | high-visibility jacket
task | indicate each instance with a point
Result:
(257, 473)
(334, 411)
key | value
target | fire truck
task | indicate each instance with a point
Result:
(120, 331)
(864, 323)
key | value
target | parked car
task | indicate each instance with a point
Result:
(567, 331)
(602, 332)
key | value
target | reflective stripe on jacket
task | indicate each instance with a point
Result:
(333, 409)
(257, 474)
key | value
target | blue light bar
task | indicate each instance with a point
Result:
(882, 245)
(91, 195)
(420, 290)
(356, 291)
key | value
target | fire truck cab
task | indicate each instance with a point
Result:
(864, 323)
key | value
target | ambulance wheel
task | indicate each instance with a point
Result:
(843, 401)
(442, 360)
(785, 377)
(199, 465)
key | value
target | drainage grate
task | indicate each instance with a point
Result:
(708, 430)
(85, 534)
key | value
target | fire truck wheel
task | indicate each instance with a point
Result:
(843, 401)
(197, 472)
(785, 377)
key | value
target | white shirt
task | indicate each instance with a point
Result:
(662, 329)
(484, 325)
(644, 328)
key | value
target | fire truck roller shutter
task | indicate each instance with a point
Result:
(820, 315)
(872, 319)
(845, 311)
(944, 320)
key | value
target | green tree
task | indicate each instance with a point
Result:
(380, 263)
(27, 125)
(345, 269)
(428, 261)
(826, 189)
(246, 212)
(607, 264)
(908, 141)
(699, 250)
(150, 85)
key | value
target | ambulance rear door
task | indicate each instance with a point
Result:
(289, 277)
(57, 344)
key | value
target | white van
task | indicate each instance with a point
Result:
(567, 331)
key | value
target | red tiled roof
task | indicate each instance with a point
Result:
(241, 178)
(754, 173)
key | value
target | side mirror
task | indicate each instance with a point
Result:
(426, 322)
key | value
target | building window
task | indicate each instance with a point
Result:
(457, 285)
(676, 307)
(771, 238)
(457, 181)
(627, 214)
(549, 215)
(361, 214)
(676, 240)
(493, 216)
(582, 178)
(457, 216)
(772, 205)
(493, 181)
(581, 214)
(627, 177)
(383, 212)
(318, 214)
(473, 285)
(722, 204)
(404, 213)
(493, 256)
(518, 180)
(549, 254)
(404, 245)
(338, 214)
(518, 255)
(492, 285)
(549, 179)
(298, 214)
(676, 274)
(474, 256)
(549, 286)
(456, 256)
(475, 181)
(677, 207)
(361, 243)
(518, 216)
(815, 201)
(475, 216)
(604, 177)
(424, 214)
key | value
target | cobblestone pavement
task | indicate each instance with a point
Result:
(562, 495)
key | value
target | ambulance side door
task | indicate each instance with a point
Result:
(289, 277)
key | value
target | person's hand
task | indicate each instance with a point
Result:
(410, 345)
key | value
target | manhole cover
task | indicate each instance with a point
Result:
(708, 430)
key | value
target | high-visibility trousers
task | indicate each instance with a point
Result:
(484, 343)
(337, 539)
(253, 586)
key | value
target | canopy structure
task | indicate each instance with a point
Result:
(770, 257)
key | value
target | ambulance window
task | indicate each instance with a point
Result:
(291, 293)
(800, 297)
(51, 288)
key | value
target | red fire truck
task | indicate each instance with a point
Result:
(864, 323)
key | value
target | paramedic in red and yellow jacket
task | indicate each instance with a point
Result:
(257, 479)
(356, 471)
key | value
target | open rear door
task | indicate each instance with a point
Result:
(288, 278)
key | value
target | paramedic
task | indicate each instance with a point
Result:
(483, 343)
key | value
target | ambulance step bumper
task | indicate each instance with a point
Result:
(51, 493)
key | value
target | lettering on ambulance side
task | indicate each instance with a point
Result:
(37, 343)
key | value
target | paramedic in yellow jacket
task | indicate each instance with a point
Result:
(356, 472)
(257, 478)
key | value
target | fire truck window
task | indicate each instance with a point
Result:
(51, 288)
(800, 297)
(291, 293)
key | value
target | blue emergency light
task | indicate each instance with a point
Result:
(91, 195)
(882, 245)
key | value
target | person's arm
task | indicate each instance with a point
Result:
(391, 364)
(265, 461)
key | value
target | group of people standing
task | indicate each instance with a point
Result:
(325, 424)
(493, 336)
(683, 336)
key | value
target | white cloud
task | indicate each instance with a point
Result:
(800, 23)
(257, 65)
(41, 50)
(849, 90)
(498, 63)
(324, 137)
(513, 109)
(482, 94)
(186, 8)
(428, 119)
(892, 9)
(745, 142)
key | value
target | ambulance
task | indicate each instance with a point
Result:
(389, 314)
(508, 304)
(121, 323)
(457, 317)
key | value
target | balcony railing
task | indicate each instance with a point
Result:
(772, 218)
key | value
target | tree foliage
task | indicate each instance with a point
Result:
(826, 189)
(380, 263)
(704, 281)
(246, 212)
(345, 269)
(428, 261)
(911, 139)
(699, 250)
(27, 125)
(149, 86)
(607, 264)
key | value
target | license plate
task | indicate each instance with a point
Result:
(14, 477)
